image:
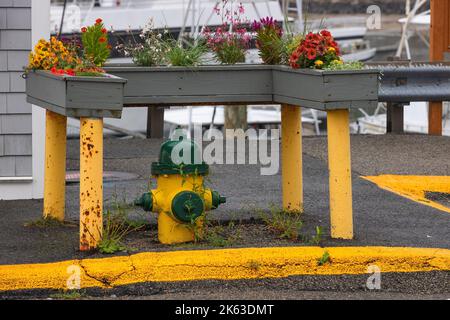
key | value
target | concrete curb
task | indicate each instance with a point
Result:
(226, 264)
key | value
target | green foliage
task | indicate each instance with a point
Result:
(221, 236)
(350, 65)
(317, 238)
(149, 51)
(269, 41)
(286, 224)
(68, 295)
(95, 43)
(290, 42)
(188, 55)
(230, 52)
(324, 259)
(117, 226)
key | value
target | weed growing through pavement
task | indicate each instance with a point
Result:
(68, 295)
(324, 259)
(286, 224)
(117, 226)
(317, 238)
(254, 265)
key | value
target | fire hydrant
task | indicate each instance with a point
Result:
(181, 199)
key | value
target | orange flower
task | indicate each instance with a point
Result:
(102, 39)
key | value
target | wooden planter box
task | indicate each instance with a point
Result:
(74, 96)
(195, 85)
(325, 90)
(248, 84)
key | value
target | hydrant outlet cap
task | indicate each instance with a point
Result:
(217, 199)
(145, 201)
(187, 206)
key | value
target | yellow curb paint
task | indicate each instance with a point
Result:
(226, 264)
(414, 187)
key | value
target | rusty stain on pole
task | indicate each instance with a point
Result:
(291, 157)
(55, 166)
(91, 182)
(339, 164)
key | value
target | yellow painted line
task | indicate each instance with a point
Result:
(226, 264)
(414, 187)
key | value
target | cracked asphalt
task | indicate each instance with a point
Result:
(381, 218)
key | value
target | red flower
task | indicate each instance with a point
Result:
(84, 29)
(325, 33)
(104, 30)
(311, 54)
(102, 39)
(98, 21)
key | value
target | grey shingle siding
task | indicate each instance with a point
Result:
(15, 112)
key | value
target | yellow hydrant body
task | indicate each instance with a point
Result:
(181, 199)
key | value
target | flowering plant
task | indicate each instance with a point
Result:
(150, 51)
(317, 50)
(230, 41)
(269, 40)
(95, 43)
(53, 55)
(70, 57)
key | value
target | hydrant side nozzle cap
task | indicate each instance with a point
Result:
(217, 199)
(145, 201)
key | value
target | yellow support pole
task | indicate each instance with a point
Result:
(91, 182)
(339, 163)
(55, 166)
(291, 157)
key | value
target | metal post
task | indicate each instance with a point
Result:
(155, 122)
(91, 182)
(395, 122)
(339, 163)
(55, 166)
(291, 157)
(439, 43)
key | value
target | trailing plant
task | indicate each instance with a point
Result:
(229, 42)
(269, 40)
(149, 51)
(96, 48)
(317, 50)
(340, 65)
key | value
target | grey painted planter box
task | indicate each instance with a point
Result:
(74, 96)
(248, 84)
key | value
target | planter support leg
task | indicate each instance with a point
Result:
(91, 182)
(339, 163)
(291, 157)
(55, 166)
